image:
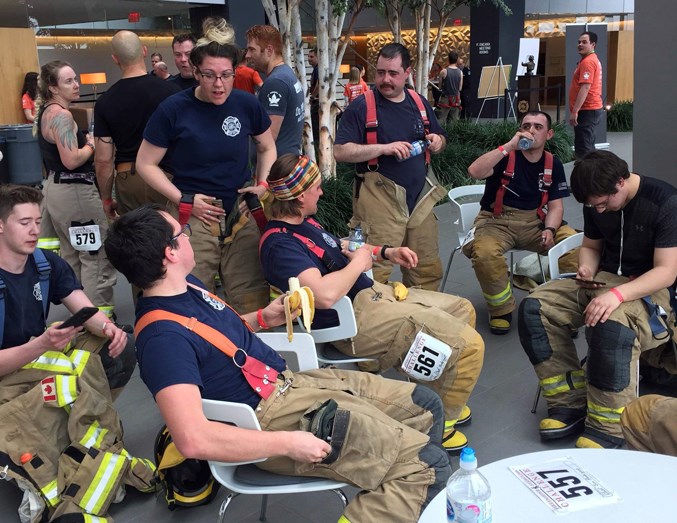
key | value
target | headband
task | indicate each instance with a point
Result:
(304, 175)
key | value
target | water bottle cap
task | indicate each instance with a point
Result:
(468, 459)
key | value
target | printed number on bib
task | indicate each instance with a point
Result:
(85, 237)
(426, 358)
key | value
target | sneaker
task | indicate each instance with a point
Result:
(465, 418)
(454, 441)
(562, 422)
(595, 439)
(500, 324)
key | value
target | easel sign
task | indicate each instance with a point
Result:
(493, 81)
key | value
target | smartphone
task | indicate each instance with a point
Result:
(79, 317)
(592, 282)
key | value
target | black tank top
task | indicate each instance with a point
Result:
(50, 153)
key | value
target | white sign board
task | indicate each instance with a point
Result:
(528, 48)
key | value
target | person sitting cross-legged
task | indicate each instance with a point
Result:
(387, 329)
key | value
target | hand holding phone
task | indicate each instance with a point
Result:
(79, 317)
(589, 282)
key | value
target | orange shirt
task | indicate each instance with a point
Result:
(589, 71)
(352, 91)
(246, 79)
(28, 103)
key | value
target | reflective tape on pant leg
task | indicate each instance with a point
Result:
(94, 436)
(103, 482)
(604, 414)
(107, 310)
(609, 355)
(79, 359)
(49, 244)
(496, 300)
(532, 333)
(51, 493)
(571, 380)
(66, 389)
(52, 361)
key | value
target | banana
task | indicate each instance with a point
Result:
(399, 290)
(298, 297)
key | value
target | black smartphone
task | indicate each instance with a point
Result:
(592, 282)
(79, 317)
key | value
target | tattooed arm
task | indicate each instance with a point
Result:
(62, 131)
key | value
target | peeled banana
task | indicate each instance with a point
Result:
(298, 298)
(399, 290)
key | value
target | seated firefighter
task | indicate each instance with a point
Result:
(61, 438)
(521, 209)
(295, 245)
(385, 435)
(629, 261)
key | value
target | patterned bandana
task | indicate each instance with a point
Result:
(306, 173)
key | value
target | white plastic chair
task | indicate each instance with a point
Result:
(466, 200)
(245, 478)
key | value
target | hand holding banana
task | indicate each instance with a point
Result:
(298, 298)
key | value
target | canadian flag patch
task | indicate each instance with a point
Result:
(48, 389)
(586, 75)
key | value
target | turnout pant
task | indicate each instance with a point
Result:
(381, 209)
(69, 204)
(132, 192)
(386, 329)
(609, 381)
(514, 229)
(650, 424)
(392, 447)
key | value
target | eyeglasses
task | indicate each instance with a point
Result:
(598, 206)
(185, 230)
(211, 77)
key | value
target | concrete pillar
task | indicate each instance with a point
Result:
(655, 104)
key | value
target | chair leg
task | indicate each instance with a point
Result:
(512, 268)
(224, 506)
(264, 506)
(446, 272)
(538, 395)
(540, 264)
(341, 496)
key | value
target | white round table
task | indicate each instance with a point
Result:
(646, 483)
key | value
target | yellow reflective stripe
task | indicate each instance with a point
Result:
(557, 384)
(66, 389)
(51, 244)
(50, 493)
(145, 462)
(107, 310)
(500, 298)
(94, 436)
(604, 414)
(79, 359)
(343, 519)
(51, 361)
(102, 483)
(88, 518)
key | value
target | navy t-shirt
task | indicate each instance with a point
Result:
(169, 354)
(649, 221)
(24, 299)
(525, 183)
(396, 122)
(208, 145)
(284, 256)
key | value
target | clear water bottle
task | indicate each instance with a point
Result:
(525, 143)
(417, 148)
(468, 492)
(356, 239)
(90, 131)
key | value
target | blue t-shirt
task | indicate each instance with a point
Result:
(282, 95)
(396, 122)
(169, 354)
(284, 256)
(207, 145)
(24, 299)
(525, 184)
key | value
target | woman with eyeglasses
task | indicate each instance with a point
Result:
(201, 137)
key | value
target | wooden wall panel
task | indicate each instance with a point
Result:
(625, 66)
(18, 55)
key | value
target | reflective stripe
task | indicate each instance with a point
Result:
(94, 436)
(88, 518)
(66, 389)
(145, 462)
(51, 494)
(108, 310)
(500, 298)
(51, 361)
(558, 384)
(79, 359)
(50, 244)
(103, 482)
(604, 414)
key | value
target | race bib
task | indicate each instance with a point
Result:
(426, 358)
(85, 237)
(468, 237)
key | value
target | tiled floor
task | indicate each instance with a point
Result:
(502, 422)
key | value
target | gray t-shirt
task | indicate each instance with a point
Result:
(282, 95)
(452, 82)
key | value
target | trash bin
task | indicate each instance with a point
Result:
(4, 163)
(23, 157)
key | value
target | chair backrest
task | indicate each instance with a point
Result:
(466, 200)
(302, 349)
(559, 250)
(347, 327)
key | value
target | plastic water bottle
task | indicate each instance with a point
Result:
(525, 143)
(468, 492)
(356, 239)
(417, 148)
